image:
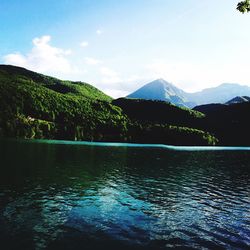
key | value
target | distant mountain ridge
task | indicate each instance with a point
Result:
(165, 91)
(238, 99)
(219, 94)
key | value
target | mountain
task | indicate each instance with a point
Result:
(220, 94)
(36, 106)
(238, 99)
(163, 91)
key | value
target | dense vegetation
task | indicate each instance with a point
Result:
(159, 121)
(37, 106)
(159, 112)
(229, 123)
(20, 76)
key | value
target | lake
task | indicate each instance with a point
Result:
(67, 195)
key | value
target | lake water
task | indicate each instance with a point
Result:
(85, 196)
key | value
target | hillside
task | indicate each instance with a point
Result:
(159, 112)
(37, 106)
(229, 123)
(19, 75)
(158, 121)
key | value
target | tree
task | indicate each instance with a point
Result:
(244, 6)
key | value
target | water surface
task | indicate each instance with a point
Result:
(65, 195)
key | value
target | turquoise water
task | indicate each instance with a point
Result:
(80, 195)
(135, 145)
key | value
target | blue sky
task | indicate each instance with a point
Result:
(120, 45)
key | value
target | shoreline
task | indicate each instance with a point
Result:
(132, 145)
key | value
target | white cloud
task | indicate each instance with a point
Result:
(99, 32)
(116, 93)
(109, 76)
(54, 61)
(117, 85)
(15, 59)
(43, 58)
(84, 44)
(92, 61)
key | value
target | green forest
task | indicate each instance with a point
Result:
(35, 106)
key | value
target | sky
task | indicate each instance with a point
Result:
(118, 46)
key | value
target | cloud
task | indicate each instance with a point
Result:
(99, 32)
(109, 76)
(92, 61)
(84, 44)
(115, 93)
(54, 61)
(118, 85)
(43, 58)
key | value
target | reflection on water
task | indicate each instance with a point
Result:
(56, 196)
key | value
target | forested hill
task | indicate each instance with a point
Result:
(20, 75)
(33, 105)
(159, 112)
(37, 106)
(229, 123)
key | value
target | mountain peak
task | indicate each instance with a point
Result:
(160, 80)
(162, 90)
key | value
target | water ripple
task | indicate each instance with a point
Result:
(122, 198)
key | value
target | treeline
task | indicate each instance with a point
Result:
(37, 106)
(169, 134)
